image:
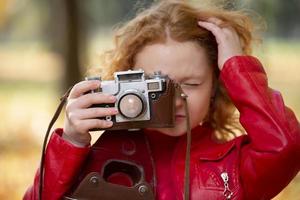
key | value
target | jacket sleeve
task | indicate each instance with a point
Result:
(270, 159)
(62, 163)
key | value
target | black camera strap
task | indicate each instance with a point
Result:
(63, 100)
(184, 97)
(188, 152)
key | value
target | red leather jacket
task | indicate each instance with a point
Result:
(258, 165)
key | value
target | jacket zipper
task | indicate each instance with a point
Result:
(227, 192)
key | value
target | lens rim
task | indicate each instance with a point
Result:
(139, 97)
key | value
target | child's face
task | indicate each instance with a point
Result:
(186, 63)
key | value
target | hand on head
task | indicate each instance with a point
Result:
(229, 43)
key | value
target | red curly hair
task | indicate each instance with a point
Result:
(178, 20)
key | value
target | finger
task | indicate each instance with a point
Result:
(89, 99)
(230, 31)
(91, 113)
(215, 20)
(88, 124)
(224, 27)
(216, 30)
(84, 86)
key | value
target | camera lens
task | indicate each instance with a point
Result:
(131, 106)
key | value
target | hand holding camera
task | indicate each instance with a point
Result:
(81, 117)
(130, 101)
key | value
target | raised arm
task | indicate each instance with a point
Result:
(272, 157)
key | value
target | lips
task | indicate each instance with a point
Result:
(179, 117)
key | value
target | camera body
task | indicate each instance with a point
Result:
(142, 101)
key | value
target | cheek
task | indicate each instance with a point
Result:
(199, 104)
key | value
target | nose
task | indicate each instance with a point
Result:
(178, 102)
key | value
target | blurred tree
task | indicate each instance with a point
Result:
(68, 38)
(287, 19)
(103, 13)
(281, 17)
(227, 4)
(267, 9)
(75, 19)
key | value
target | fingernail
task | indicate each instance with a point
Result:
(97, 83)
(113, 98)
(115, 111)
(108, 123)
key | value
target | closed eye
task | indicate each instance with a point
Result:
(191, 84)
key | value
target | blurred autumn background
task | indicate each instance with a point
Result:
(47, 46)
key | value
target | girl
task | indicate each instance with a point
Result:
(208, 53)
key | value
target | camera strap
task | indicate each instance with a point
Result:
(63, 100)
(183, 96)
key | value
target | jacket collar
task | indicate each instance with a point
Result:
(204, 147)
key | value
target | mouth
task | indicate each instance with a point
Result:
(179, 117)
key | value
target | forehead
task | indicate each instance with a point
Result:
(179, 60)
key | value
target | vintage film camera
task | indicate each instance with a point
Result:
(142, 101)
